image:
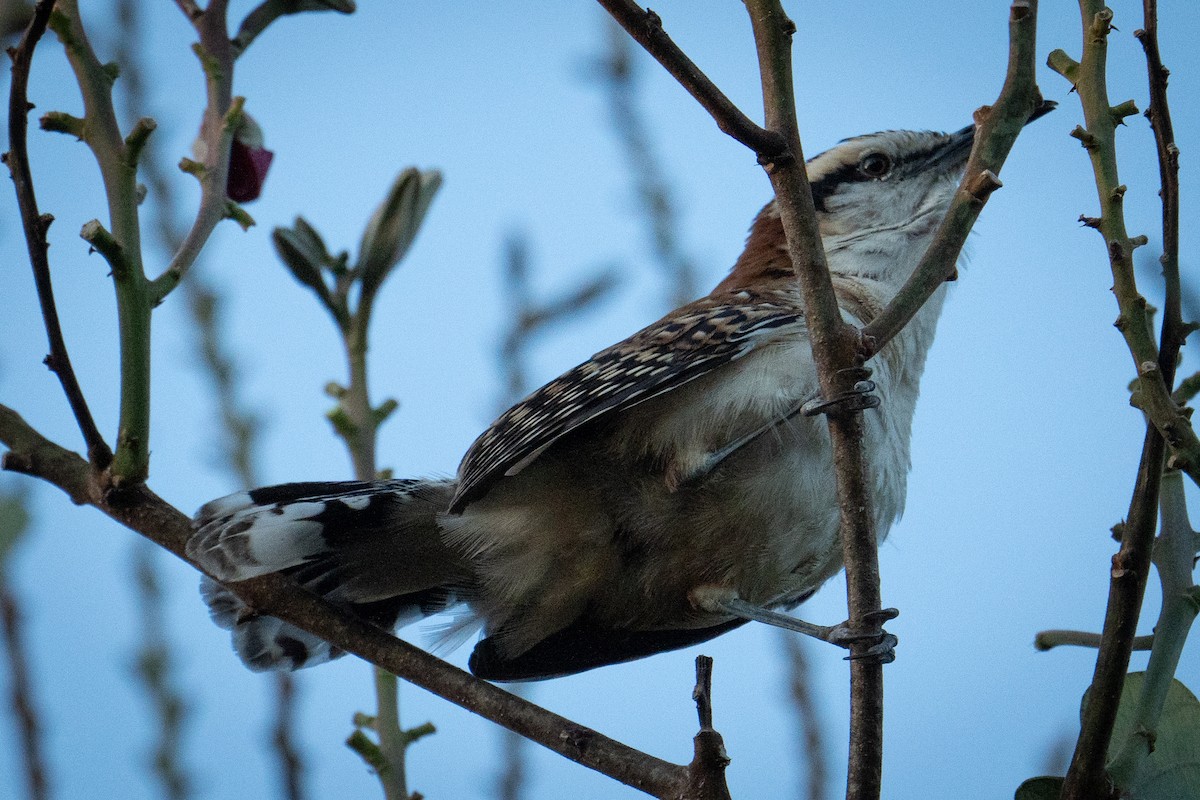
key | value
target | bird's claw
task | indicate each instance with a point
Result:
(883, 650)
(857, 398)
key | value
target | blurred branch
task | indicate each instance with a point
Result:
(155, 668)
(14, 519)
(36, 224)
(617, 70)
(532, 318)
(812, 737)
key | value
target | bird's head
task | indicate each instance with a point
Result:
(879, 200)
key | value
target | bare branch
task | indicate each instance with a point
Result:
(837, 354)
(997, 127)
(35, 226)
(646, 29)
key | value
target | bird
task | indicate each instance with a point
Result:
(661, 493)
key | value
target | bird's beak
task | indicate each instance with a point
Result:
(958, 148)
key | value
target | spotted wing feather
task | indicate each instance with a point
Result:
(679, 348)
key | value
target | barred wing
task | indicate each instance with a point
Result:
(679, 348)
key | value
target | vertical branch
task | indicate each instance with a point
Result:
(1174, 331)
(35, 226)
(836, 352)
(812, 737)
(14, 519)
(121, 246)
(1086, 777)
(155, 668)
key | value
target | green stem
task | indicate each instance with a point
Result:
(360, 441)
(131, 461)
(1174, 555)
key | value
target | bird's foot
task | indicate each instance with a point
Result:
(883, 644)
(857, 398)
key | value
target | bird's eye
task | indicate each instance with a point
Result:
(875, 165)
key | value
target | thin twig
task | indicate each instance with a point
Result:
(35, 226)
(1174, 331)
(1048, 640)
(646, 29)
(141, 510)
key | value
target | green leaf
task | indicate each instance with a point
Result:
(303, 252)
(394, 225)
(1172, 770)
(1043, 788)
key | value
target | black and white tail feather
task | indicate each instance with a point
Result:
(342, 540)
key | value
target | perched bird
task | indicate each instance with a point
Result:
(660, 493)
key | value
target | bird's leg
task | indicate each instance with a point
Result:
(714, 459)
(722, 600)
(857, 398)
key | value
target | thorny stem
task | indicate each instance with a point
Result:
(1153, 393)
(35, 226)
(1174, 555)
(359, 436)
(220, 119)
(1086, 777)
(1174, 332)
(102, 134)
(141, 510)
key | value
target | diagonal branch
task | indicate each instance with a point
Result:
(138, 508)
(646, 29)
(996, 130)
(36, 224)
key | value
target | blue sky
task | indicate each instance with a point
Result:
(1024, 445)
